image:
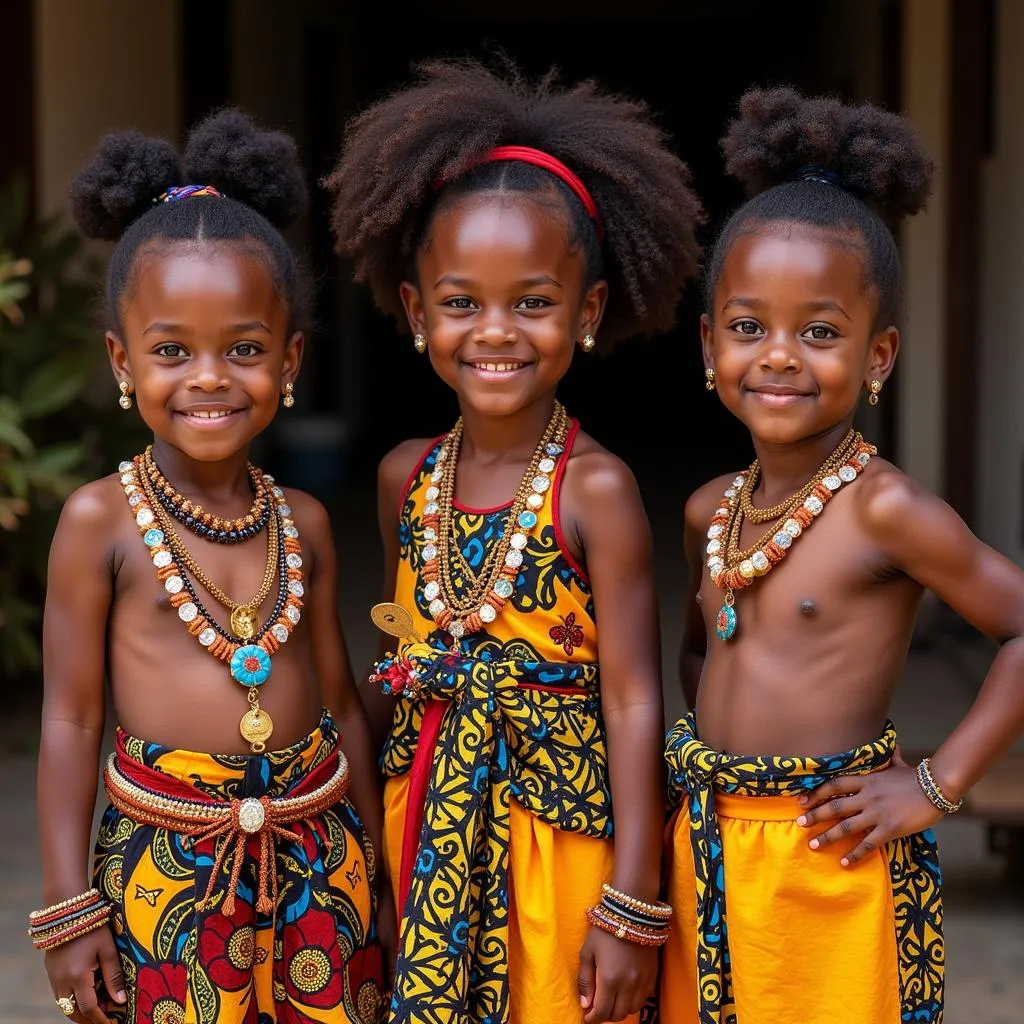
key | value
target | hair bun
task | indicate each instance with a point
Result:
(126, 174)
(874, 153)
(258, 168)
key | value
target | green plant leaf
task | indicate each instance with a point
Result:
(53, 386)
(59, 458)
(11, 434)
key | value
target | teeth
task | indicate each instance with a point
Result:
(498, 367)
(215, 414)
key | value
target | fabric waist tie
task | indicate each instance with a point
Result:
(696, 772)
(454, 885)
(150, 797)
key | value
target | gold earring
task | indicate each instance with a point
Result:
(588, 343)
(289, 399)
(875, 386)
(419, 343)
(125, 400)
(709, 381)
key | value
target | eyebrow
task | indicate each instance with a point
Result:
(165, 327)
(819, 305)
(465, 282)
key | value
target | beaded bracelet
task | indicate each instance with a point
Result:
(601, 917)
(623, 901)
(932, 790)
(68, 920)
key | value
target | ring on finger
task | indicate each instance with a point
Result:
(66, 1004)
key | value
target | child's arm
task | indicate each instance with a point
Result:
(616, 539)
(392, 479)
(699, 510)
(78, 599)
(925, 539)
(333, 668)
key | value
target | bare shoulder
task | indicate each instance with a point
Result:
(703, 502)
(398, 465)
(886, 499)
(594, 474)
(98, 508)
(311, 518)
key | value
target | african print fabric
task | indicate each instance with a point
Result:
(513, 717)
(896, 933)
(313, 958)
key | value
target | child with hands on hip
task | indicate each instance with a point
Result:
(798, 822)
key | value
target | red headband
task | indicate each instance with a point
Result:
(553, 166)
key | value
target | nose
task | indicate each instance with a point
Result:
(496, 329)
(209, 373)
(780, 352)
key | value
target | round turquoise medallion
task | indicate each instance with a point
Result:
(725, 626)
(153, 537)
(527, 519)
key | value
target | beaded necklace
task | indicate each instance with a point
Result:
(730, 568)
(248, 658)
(494, 584)
(202, 523)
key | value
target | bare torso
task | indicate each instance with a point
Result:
(168, 689)
(820, 640)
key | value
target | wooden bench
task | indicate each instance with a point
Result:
(998, 801)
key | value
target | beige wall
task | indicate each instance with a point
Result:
(921, 413)
(1001, 426)
(100, 65)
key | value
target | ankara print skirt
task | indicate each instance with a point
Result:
(312, 956)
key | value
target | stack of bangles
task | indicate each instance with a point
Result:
(627, 918)
(64, 922)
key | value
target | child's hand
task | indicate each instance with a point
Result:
(881, 807)
(615, 977)
(72, 969)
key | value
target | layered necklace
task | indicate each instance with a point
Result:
(488, 589)
(249, 645)
(730, 568)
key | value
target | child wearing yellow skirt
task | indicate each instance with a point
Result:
(510, 223)
(806, 884)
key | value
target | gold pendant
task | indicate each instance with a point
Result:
(256, 727)
(243, 621)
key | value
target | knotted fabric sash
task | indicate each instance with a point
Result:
(486, 731)
(244, 826)
(696, 771)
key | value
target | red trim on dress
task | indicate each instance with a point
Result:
(415, 473)
(556, 518)
(419, 780)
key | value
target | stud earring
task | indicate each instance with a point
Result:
(125, 401)
(289, 399)
(588, 343)
(874, 387)
(709, 381)
(419, 343)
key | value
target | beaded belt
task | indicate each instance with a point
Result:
(233, 822)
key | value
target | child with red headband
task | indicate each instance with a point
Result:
(507, 223)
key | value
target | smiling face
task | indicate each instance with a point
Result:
(502, 300)
(792, 335)
(205, 346)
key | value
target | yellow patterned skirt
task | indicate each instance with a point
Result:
(769, 931)
(313, 957)
(554, 875)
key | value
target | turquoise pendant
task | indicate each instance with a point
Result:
(725, 626)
